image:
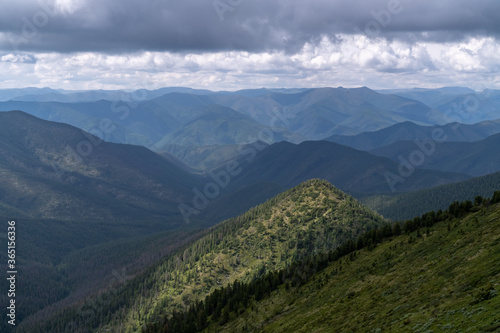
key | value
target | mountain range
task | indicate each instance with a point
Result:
(350, 170)
(408, 131)
(84, 178)
(313, 251)
(165, 116)
(134, 207)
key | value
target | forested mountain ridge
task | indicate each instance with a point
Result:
(83, 178)
(438, 272)
(407, 205)
(309, 218)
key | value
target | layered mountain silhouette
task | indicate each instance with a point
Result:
(473, 158)
(166, 116)
(406, 131)
(348, 169)
(55, 171)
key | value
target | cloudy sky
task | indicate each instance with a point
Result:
(236, 44)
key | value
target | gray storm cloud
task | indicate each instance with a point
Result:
(116, 26)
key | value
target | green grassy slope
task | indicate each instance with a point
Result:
(443, 280)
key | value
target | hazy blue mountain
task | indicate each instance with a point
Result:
(472, 108)
(145, 117)
(174, 118)
(8, 94)
(431, 97)
(473, 158)
(219, 125)
(454, 132)
(318, 113)
(361, 109)
(76, 96)
(457, 104)
(182, 116)
(348, 169)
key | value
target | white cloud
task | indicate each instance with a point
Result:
(68, 7)
(348, 60)
(18, 58)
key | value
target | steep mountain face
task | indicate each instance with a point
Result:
(83, 206)
(441, 280)
(408, 131)
(473, 158)
(71, 175)
(348, 169)
(408, 205)
(307, 219)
